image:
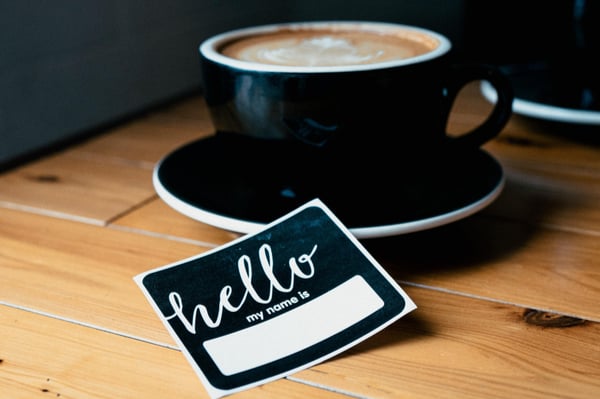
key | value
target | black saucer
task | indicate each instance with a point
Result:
(239, 185)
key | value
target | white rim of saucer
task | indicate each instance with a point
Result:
(544, 111)
(208, 48)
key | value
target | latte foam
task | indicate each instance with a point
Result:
(312, 47)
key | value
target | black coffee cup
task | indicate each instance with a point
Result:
(344, 91)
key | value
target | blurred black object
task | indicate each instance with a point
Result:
(549, 48)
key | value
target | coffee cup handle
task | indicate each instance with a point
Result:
(461, 75)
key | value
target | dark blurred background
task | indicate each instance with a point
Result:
(69, 68)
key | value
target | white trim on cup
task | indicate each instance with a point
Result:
(209, 47)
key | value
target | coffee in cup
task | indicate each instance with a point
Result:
(327, 47)
(342, 91)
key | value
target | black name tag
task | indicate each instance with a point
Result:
(264, 306)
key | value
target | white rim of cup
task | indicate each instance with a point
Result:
(209, 47)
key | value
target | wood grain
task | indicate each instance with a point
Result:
(503, 261)
(108, 175)
(83, 272)
(457, 347)
(550, 199)
(156, 217)
(49, 358)
(67, 186)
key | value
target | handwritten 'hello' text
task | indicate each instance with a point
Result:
(245, 270)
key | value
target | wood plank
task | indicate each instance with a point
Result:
(517, 277)
(457, 347)
(552, 199)
(523, 142)
(501, 260)
(109, 174)
(157, 217)
(42, 356)
(83, 272)
(500, 353)
(65, 185)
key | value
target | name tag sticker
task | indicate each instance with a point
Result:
(269, 304)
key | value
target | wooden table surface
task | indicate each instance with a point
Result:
(508, 299)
